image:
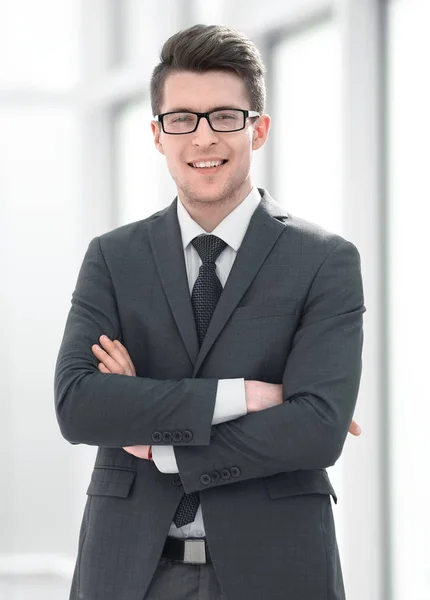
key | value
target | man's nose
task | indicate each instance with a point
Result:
(204, 134)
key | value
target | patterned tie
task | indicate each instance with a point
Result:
(204, 298)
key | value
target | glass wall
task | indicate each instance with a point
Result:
(39, 221)
(39, 43)
(141, 25)
(136, 164)
(409, 257)
(306, 124)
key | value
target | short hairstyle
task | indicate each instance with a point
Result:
(203, 48)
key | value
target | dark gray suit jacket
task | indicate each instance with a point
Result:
(291, 312)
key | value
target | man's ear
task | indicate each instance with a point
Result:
(156, 130)
(261, 131)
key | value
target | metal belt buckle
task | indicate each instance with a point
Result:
(195, 552)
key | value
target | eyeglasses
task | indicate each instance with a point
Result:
(226, 120)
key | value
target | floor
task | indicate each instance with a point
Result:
(33, 588)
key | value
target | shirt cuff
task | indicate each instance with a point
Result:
(165, 459)
(230, 400)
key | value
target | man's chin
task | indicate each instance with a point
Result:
(204, 196)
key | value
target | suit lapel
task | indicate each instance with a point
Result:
(165, 238)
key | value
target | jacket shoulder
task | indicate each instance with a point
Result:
(313, 235)
(124, 234)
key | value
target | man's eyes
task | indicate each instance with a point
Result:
(183, 118)
(217, 116)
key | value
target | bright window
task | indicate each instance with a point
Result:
(409, 254)
(306, 125)
(39, 43)
(144, 184)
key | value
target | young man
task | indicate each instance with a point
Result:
(232, 350)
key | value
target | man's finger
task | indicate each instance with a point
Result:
(112, 364)
(355, 428)
(112, 349)
(139, 451)
(126, 355)
(119, 353)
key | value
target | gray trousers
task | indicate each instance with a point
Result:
(178, 581)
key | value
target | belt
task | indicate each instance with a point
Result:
(192, 550)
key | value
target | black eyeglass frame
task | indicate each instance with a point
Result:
(246, 114)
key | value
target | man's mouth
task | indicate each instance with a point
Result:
(208, 166)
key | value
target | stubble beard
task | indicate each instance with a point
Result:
(228, 196)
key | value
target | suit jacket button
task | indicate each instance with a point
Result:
(225, 474)
(205, 478)
(235, 471)
(177, 479)
(187, 436)
(177, 436)
(215, 476)
(167, 436)
(156, 436)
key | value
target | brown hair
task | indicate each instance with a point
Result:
(202, 48)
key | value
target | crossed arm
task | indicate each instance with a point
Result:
(114, 358)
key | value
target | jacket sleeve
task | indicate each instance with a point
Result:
(115, 410)
(320, 388)
(230, 404)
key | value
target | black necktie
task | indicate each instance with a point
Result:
(204, 298)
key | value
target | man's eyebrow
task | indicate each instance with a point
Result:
(183, 109)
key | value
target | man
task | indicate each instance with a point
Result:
(229, 373)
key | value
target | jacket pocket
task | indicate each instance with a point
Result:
(107, 481)
(297, 483)
(269, 309)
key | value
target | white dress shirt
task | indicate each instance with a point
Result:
(230, 398)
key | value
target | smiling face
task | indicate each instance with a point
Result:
(202, 92)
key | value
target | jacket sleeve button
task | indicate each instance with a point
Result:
(187, 436)
(156, 436)
(225, 474)
(215, 476)
(205, 478)
(167, 436)
(235, 471)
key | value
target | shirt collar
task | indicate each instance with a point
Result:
(232, 228)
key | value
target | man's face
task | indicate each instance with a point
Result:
(202, 93)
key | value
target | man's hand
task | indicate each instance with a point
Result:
(114, 358)
(261, 395)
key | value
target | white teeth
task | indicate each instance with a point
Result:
(212, 163)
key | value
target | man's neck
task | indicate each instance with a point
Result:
(210, 214)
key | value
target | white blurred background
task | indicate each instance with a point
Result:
(349, 95)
